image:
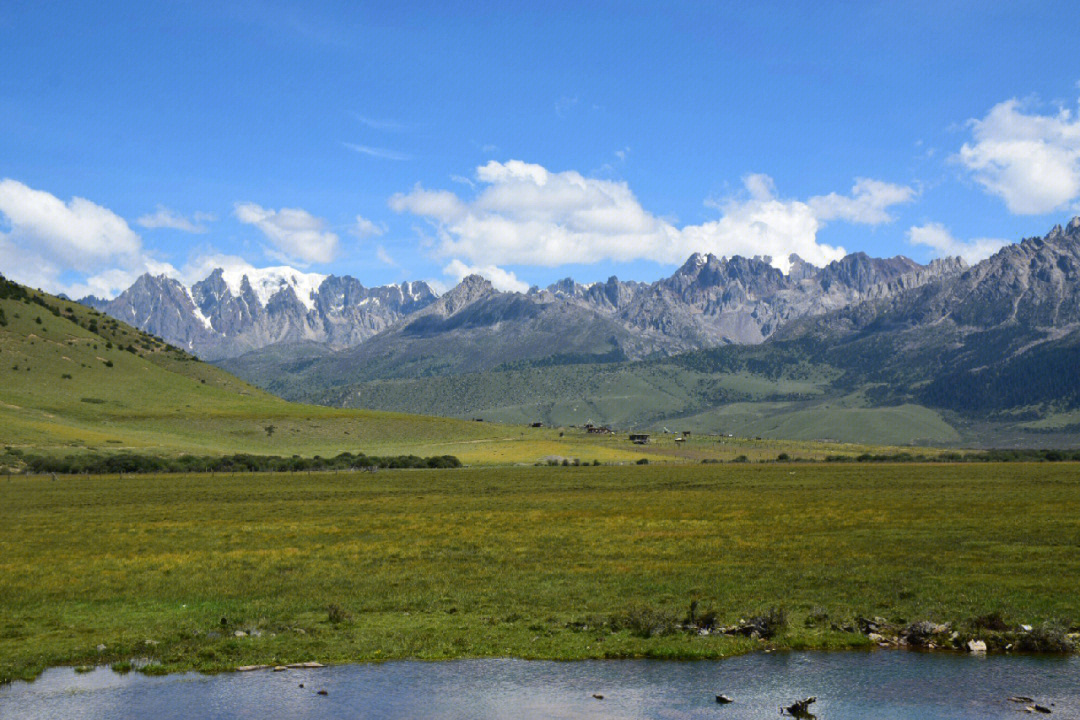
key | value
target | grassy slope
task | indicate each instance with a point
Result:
(160, 400)
(497, 562)
(658, 394)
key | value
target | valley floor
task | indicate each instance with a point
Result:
(539, 562)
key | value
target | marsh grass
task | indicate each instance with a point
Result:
(527, 562)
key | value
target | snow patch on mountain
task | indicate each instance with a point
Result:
(268, 282)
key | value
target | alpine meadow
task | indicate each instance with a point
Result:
(339, 338)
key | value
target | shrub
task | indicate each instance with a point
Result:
(645, 621)
(992, 621)
(643, 461)
(1050, 637)
(768, 624)
(337, 614)
(818, 617)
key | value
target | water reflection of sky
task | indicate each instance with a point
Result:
(891, 685)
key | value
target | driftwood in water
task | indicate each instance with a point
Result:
(800, 708)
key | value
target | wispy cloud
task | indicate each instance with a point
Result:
(297, 235)
(382, 153)
(165, 217)
(937, 237)
(564, 105)
(463, 180)
(366, 228)
(382, 124)
(384, 257)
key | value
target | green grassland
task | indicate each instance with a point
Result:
(651, 396)
(74, 381)
(530, 562)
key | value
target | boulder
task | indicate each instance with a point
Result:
(977, 647)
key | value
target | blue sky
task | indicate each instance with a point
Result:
(421, 141)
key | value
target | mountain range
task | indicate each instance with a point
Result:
(708, 301)
(997, 342)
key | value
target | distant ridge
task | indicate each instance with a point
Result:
(706, 302)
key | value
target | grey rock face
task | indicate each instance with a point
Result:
(706, 302)
(217, 321)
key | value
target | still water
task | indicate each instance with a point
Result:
(888, 684)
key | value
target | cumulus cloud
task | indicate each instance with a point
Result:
(938, 237)
(366, 228)
(76, 231)
(77, 247)
(526, 215)
(868, 203)
(500, 278)
(1030, 161)
(296, 235)
(164, 217)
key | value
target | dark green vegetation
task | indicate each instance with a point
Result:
(532, 562)
(132, 463)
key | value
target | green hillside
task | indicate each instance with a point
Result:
(77, 381)
(792, 403)
(795, 390)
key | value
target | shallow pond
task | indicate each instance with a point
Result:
(886, 684)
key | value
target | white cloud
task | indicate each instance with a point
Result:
(501, 279)
(868, 203)
(366, 228)
(164, 217)
(1031, 161)
(526, 215)
(77, 247)
(938, 237)
(383, 153)
(75, 232)
(384, 257)
(297, 235)
(463, 180)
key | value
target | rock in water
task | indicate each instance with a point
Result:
(723, 700)
(801, 708)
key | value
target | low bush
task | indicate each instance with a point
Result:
(645, 621)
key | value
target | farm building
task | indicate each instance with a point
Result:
(639, 438)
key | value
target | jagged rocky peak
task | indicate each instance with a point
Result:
(469, 290)
(861, 272)
(799, 269)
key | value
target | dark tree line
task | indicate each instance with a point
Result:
(134, 463)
